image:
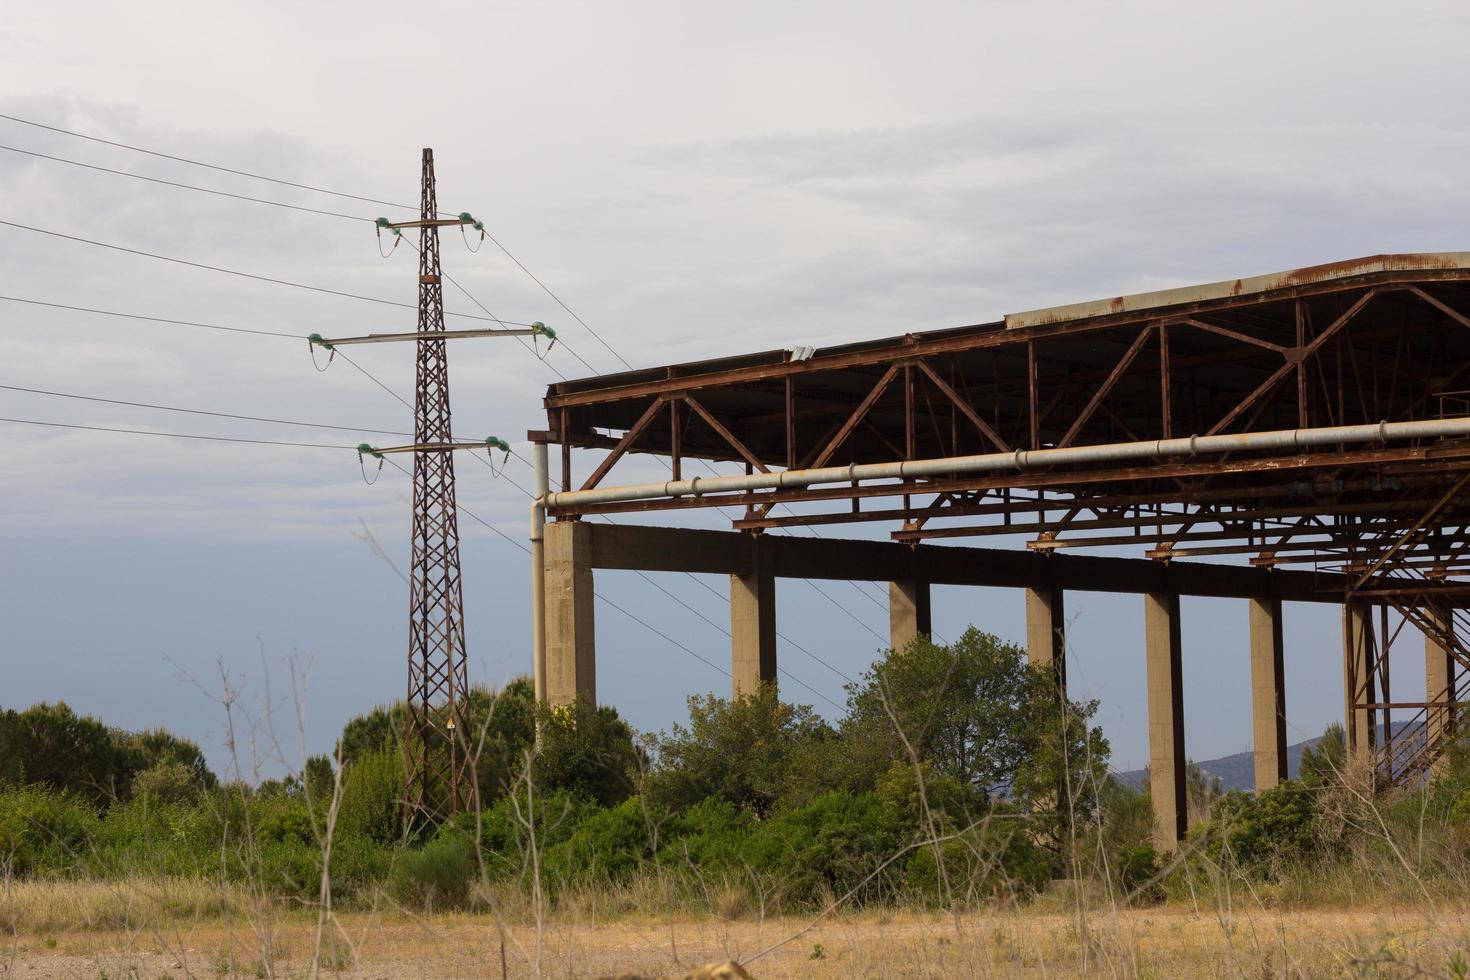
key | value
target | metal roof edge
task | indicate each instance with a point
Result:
(1160, 298)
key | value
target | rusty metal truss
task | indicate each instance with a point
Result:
(437, 770)
(1361, 342)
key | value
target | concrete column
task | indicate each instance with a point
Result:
(1358, 684)
(1268, 693)
(753, 623)
(571, 652)
(1046, 632)
(1163, 653)
(1439, 674)
(908, 612)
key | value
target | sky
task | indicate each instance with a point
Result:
(694, 180)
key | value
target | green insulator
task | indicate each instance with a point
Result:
(543, 330)
(363, 447)
(478, 226)
(315, 338)
(383, 222)
(320, 341)
(466, 217)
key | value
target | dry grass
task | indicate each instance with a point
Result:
(1171, 941)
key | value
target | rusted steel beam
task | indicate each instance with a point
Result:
(625, 443)
(964, 406)
(1232, 334)
(987, 336)
(857, 416)
(1107, 386)
(726, 434)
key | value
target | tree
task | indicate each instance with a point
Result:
(749, 751)
(500, 727)
(51, 744)
(1325, 760)
(977, 711)
(589, 752)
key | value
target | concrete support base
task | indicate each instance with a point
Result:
(753, 623)
(908, 612)
(1046, 632)
(1358, 686)
(1439, 676)
(1268, 693)
(571, 663)
(1163, 652)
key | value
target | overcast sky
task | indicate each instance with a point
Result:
(694, 181)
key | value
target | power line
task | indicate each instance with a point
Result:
(152, 319)
(208, 166)
(183, 186)
(245, 275)
(200, 411)
(207, 326)
(295, 207)
(174, 435)
(295, 184)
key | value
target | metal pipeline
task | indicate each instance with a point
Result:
(538, 572)
(1021, 459)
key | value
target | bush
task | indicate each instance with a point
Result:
(1265, 832)
(372, 797)
(588, 752)
(747, 751)
(437, 876)
(45, 830)
(167, 782)
(607, 845)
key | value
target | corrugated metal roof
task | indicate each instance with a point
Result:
(1347, 269)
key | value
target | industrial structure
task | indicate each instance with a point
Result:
(1298, 437)
(437, 761)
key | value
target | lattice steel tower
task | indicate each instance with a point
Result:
(437, 674)
(439, 768)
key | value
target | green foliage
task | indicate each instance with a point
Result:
(1325, 761)
(372, 797)
(437, 876)
(1137, 870)
(51, 744)
(607, 845)
(977, 714)
(1263, 833)
(589, 752)
(168, 782)
(43, 828)
(500, 728)
(747, 751)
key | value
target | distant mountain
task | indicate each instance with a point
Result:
(1238, 771)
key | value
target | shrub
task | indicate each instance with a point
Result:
(44, 830)
(437, 876)
(1262, 833)
(746, 751)
(607, 845)
(167, 782)
(588, 752)
(372, 797)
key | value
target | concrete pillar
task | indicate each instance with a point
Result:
(1268, 693)
(753, 623)
(908, 612)
(1358, 684)
(1439, 675)
(1163, 653)
(571, 657)
(1046, 632)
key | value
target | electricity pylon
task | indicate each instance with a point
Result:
(438, 766)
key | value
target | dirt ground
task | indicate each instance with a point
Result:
(1148, 943)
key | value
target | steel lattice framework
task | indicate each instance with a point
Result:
(435, 756)
(1381, 339)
